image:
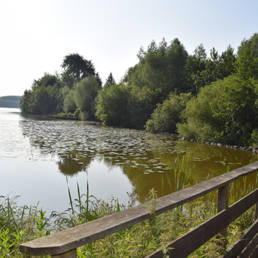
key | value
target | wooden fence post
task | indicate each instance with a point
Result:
(223, 193)
(69, 254)
(223, 197)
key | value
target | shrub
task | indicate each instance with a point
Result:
(247, 61)
(141, 104)
(125, 106)
(168, 114)
(112, 105)
(69, 104)
(85, 94)
(224, 111)
(254, 138)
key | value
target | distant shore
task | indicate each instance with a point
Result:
(10, 101)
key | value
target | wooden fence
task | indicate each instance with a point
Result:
(64, 243)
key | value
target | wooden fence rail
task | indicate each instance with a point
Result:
(64, 243)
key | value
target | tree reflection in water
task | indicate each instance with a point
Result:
(147, 160)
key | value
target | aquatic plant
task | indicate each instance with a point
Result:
(19, 224)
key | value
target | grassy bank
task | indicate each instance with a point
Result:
(19, 224)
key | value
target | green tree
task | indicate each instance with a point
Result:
(48, 80)
(201, 71)
(26, 102)
(142, 102)
(47, 100)
(110, 81)
(98, 79)
(76, 68)
(224, 111)
(195, 65)
(45, 97)
(161, 68)
(69, 103)
(168, 114)
(247, 61)
(227, 63)
(112, 105)
(85, 94)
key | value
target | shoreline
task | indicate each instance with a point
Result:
(57, 117)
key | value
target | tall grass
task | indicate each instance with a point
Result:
(181, 174)
(19, 224)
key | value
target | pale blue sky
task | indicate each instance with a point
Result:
(37, 34)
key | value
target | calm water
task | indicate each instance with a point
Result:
(36, 157)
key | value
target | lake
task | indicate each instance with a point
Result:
(39, 156)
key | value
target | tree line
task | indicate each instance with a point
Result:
(207, 97)
(10, 101)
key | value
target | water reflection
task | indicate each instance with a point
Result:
(74, 162)
(147, 160)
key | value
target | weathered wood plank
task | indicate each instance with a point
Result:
(242, 242)
(250, 247)
(223, 193)
(72, 238)
(223, 197)
(69, 254)
(192, 240)
(254, 254)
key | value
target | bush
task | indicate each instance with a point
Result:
(224, 111)
(85, 94)
(247, 61)
(168, 114)
(42, 100)
(112, 103)
(125, 106)
(141, 104)
(69, 104)
(254, 138)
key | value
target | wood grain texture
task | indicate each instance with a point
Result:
(243, 241)
(249, 249)
(72, 238)
(223, 193)
(254, 254)
(69, 254)
(223, 197)
(192, 240)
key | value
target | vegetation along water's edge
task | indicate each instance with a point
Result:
(63, 116)
(22, 223)
(206, 98)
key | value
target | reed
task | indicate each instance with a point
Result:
(22, 223)
(181, 174)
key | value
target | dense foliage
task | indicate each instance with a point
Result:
(112, 105)
(247, 62)
(19, 224)
(154, 93)
(223, 111)
(85, 93)
(162, 70)
(110, 81)
(166, 116)
(73, 92)
(227, 111)
(45, 97)
(125, 106)
(76, 68)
